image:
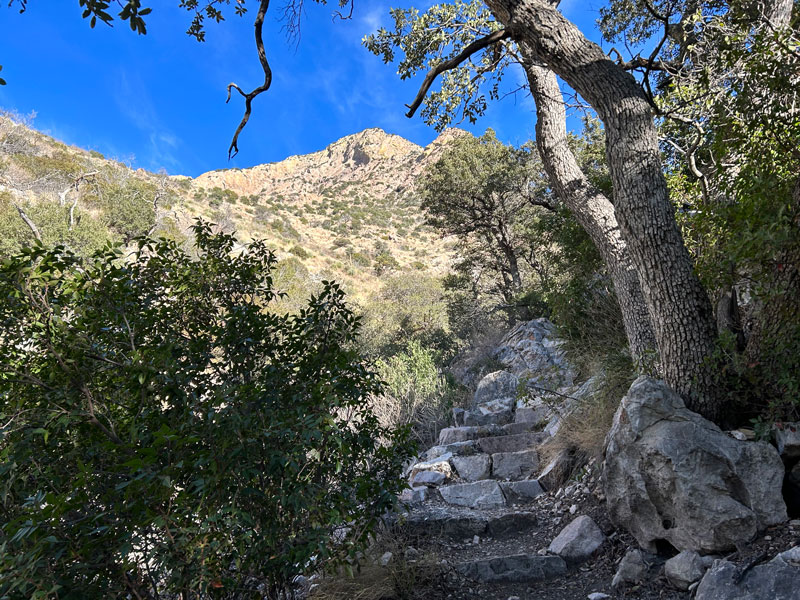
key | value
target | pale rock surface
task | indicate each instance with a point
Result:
(532, 411)
(440, 464)
(531, 350)
(499, 385)
(778, 579)
(685, 568)
(520, 492)
(672, 475)
(632, 569)
(479, 494)
(472, 468)
(578, 540)
(515, 465)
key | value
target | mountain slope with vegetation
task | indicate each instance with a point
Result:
(348, 212)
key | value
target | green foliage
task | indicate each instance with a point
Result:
(417, 394)
(426, 39)
(489, 195)
(359, 258)
(60, 166)
(295, 284)
(87, 235)
(166, 436)
(407, 307)
(127, 206)
(300, 252)
(385, 262)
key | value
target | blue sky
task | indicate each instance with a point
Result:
(158, 101)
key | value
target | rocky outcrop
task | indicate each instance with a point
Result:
(673, 478)
(779, 579)
(532, 351)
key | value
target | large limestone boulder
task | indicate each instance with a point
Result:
(779, 579)
(672, 476)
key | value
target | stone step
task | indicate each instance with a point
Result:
(488, 493)
(519, 568)
(512, 443)
(458, 524)
(453, 435)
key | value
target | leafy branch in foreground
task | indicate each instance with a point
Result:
(163, 433)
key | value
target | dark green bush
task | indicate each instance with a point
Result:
(165, 436)
(299, 251)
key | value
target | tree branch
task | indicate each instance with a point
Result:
(233, 149)
(477, 45)
(28, 222)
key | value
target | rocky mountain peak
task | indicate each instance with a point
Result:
(371, 144)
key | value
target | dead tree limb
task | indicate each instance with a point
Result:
(31, 225)
(233, 149)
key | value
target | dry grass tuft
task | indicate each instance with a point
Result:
(402, 578)
(583, 431)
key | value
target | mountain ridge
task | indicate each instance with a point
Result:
(348, 211)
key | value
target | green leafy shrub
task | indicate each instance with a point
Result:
(385, 262)
(417, 393)
(165, 436)
(299, 251)
(128, 207)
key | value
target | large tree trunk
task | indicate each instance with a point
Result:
(593, 211)
(679, 308)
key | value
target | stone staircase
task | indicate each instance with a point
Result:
(477, 486)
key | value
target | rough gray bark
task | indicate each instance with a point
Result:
(778, 12)
(679, 308)
(593, 211)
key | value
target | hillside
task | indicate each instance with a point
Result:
(347, 212)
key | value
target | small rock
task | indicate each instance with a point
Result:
(632, 569)
(685, 569)
(476, 540)
(385, 559)
(578, 540)
(411, 553)
(513, 598)
(598, 596)
(573, 509)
